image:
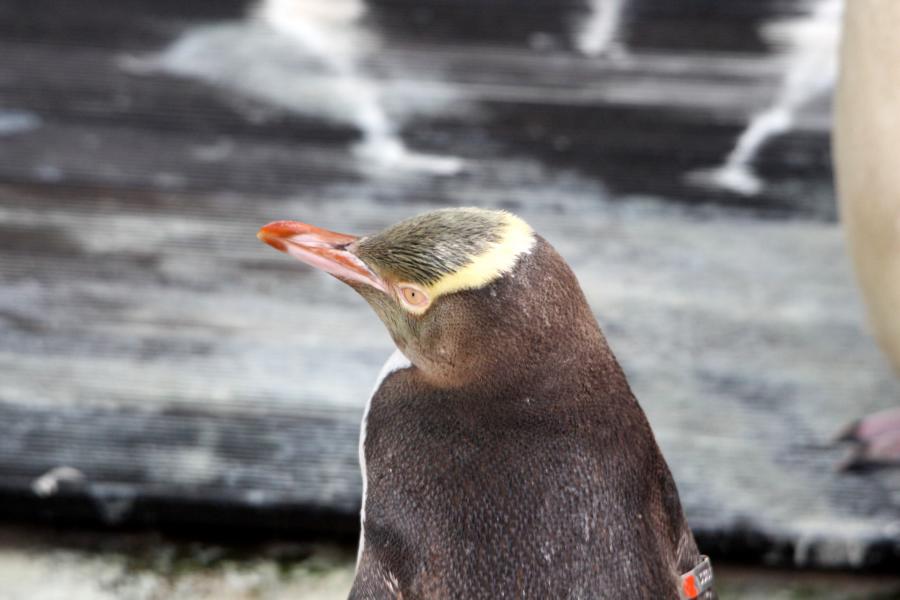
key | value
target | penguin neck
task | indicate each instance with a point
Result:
(527, 327)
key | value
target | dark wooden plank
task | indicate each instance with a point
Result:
(128, 23)
(228, 475)
(649, 24)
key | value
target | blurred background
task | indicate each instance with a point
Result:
(179, 405)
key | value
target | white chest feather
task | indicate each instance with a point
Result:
(396, 362)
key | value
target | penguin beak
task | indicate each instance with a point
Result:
(320, 248)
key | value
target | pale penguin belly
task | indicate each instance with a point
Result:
(867, 159)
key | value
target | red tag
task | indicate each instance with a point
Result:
(689, 585)
(697, 581)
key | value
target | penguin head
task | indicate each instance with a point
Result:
(435, 280)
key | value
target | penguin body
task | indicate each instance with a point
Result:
(866, 144)
(506, 456)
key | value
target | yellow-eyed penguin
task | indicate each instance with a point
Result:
(503, 453)
(866, 151)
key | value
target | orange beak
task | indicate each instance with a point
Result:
(320, 248)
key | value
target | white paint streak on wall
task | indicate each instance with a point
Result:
(18, 121)
(48, 484)
(600, 33)
(811, 68)
(306, 56)
(332, 33)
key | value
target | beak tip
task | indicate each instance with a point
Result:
(267, 237)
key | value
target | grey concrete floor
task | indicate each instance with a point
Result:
(45, 565)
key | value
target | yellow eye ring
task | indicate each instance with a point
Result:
(414, 297)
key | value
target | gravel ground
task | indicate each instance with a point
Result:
(45, 565)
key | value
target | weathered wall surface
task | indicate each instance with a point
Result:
(185, 373)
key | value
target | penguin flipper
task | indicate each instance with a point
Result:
(876, 440)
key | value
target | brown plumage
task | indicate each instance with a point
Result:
(510, 459)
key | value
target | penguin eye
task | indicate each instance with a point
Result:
(413, 297)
